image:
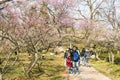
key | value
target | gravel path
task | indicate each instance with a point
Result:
(87, 73)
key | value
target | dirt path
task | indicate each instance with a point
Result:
(87, 73)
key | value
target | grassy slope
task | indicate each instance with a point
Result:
(51, 69)
(111, 70)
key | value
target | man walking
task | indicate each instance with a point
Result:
(75, 59)
(87, 56)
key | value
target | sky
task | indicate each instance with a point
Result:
(86, 12)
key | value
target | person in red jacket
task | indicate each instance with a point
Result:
(69, 64)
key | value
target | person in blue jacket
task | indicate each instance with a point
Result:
(75, 60)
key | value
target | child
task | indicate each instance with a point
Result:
(69, 64)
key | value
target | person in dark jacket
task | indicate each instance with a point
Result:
(82, 54)
(65, 56)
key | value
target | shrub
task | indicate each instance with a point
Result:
(117, 60)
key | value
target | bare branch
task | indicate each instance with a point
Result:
(98, 6)
(82, 14)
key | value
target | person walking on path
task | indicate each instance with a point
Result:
(82, 54)
(66, 56)
(75, 59)
(69, 64)
(87, 57)
(78, 54)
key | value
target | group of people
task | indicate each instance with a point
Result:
(73, 57)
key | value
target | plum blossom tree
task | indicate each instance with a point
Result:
(88, 16)
(32, 27)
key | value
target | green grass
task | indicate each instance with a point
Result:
(52, 68)
(110, 70)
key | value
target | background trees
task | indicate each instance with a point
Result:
(32, 26)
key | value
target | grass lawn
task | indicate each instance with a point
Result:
(51, 68)
(110, 70)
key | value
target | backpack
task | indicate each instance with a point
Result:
(69, 62)
(78, 51)
(75, 56)
(82, 54)
(66, 54)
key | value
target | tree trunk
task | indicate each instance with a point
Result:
(118, 52)
(109, 55)
(96, 55)
(32, 64)
(16, 58)
(0, 76)
(112, 54)
(6, 62)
